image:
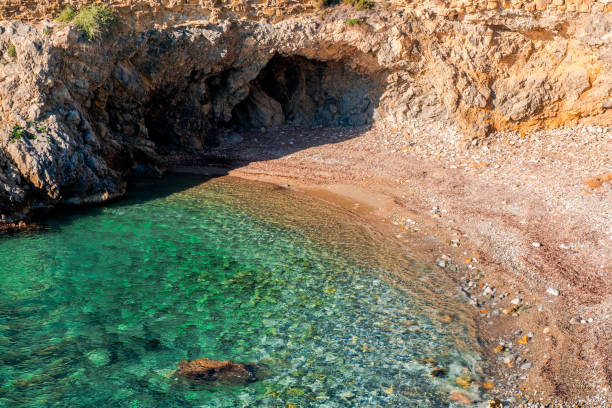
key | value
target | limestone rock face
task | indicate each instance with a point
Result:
(96, 114)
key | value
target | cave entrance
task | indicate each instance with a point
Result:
(300, 91)
(194, 112)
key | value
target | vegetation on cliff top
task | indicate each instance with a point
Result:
(95, 20)
(66, 15)
(358, 4)
(352, 21)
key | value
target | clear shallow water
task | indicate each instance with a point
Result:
(98, 309)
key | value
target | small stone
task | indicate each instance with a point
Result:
(515, 301)
(590, 320)
(499, 348)
(546, 330)
(347, 395)
(488, 385)
(510, 310)
(536, 244)
(495, 403)
(464, 381)
(437, 372)
(526, 366)
(460, 397)
(523, 340)
(552, 291)
(508, 359)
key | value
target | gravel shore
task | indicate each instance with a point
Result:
(522, 223)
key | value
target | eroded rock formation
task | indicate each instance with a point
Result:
(95, 114)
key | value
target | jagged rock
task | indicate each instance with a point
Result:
(260, 110)
(206, 369)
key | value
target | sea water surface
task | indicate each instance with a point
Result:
(97, 309)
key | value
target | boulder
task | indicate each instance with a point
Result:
(260, 110)
(212, 370)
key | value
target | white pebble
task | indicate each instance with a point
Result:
(552, 291)
(536, 244)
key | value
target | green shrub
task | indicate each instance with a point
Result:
(12, 51)
(95, 20)
(360, 4)
(17, 133)
(352, 21)
(47, 31)
(66, 15)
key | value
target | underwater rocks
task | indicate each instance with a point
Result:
(205, 369)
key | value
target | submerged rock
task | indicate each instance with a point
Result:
(99, 358)
(438, 372)
(212, 370)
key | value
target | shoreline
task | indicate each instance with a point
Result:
(534, 335)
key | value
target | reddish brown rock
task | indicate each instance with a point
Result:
(213, 370)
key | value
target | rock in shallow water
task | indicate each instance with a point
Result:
(212, 370)
(99, 358)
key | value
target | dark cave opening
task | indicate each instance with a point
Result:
(306, 92)
(291, 90)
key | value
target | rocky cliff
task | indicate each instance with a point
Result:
(78, 118)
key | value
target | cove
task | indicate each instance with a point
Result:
(99, 307)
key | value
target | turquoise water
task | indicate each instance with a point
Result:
(98, 308)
